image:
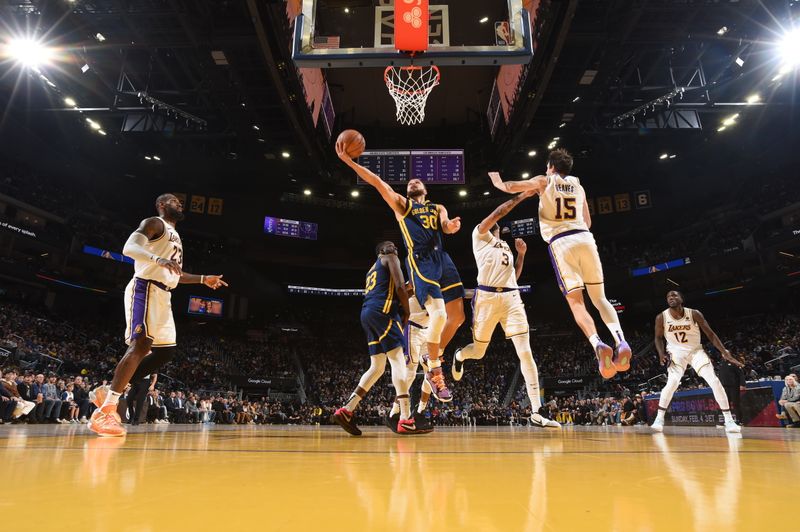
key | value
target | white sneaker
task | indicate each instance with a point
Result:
(73, 421)
(731, 426)
(658, 425)
(457, 368)
(84, 420)
(541, 421)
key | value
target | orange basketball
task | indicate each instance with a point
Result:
(353, 142)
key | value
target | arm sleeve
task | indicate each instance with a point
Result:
(135, 248)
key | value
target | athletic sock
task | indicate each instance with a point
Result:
(352, 403)
(616, 332)
(727, 415)
(405, 407)
(433, 364)
(422, 406)
(594, 340)
(111, 399)
(660, 416)
(395, 408)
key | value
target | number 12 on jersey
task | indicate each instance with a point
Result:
(568, 205)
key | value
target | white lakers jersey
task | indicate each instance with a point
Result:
(167, 246)
(682, 334)
(561, 206)
(495, 261)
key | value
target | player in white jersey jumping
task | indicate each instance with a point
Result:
(497, 300)
(157, 252)
(681, 327)
(564, 222)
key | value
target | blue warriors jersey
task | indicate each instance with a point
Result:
(420, 227)
(379, 292)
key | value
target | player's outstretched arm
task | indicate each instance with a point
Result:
(502, 210)
(709, 332)
(392, 198)
(587, 216)
(659, 340)
(149, 229)
(536, 184)
(399, 284)
(522, 248)
(211, 281)
(449, 225)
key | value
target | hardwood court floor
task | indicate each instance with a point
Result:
(306, 478)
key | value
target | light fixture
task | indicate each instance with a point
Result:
(92, 124)
(148, 158)
(753, 98)
(525, 175)
(721, 128)
(552, 145)
(285, 154)
(355, 193)
(672, 156)
(261, 140)
(256, 127)
(484, 20)
(576, 99)
(556, 138)
(486, 193)
(100, 37)
(532, 153)
(740, 62)
(307, 192)
(731, 120)
(722, 31)
(789, 49)
(156, 157)
(663, 156)
(101, 132)
(562, 124)
(347, 10)
(28, 52)
(69, 101)
(462, 193)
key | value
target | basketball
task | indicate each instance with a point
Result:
(353, 142)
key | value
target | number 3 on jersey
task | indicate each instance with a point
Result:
(429, 221)
(371, 280)
(568, 209)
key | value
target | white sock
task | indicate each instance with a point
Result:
(422, 406)
(352, 403)
(111, 399)
(395, 409)
(433, 364)
(405, 407)
(660, 415)
(727, 415)
(594, 340)
(616, 332)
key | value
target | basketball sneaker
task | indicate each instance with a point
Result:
(407, 426)
(105, 422)
(435, 378)
(541, 421)
(98, 395)
(731, 426)
(392, 422)
(344, 418)
(424, 426)
(658, 425)
(622, 360)
(605, 361)
(457, 369)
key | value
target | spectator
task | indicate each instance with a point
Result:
(628, 412)
(68, 401)
(8, 381)
(51, 394)
(790, 401)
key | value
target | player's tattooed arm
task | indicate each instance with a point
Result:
(711, 335)
(536, 184)
(522, 248)
(392, 198)
(211, 281)
(501, 211)
(449, 225)
(663, 357)
(400, 285)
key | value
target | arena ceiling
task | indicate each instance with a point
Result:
(205, 89)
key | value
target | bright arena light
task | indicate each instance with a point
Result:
(355, 193)
(753, 98)
(307, 192)
(663, 156)
(28, 52)
(789, 48)
(525, 175)
(462, 193)
(69, 101)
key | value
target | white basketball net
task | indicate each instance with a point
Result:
(410, 87)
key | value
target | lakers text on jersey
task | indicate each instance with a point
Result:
(684, 340)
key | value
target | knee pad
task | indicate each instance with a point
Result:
(437, 319)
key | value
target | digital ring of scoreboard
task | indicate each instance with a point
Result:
(438, 167)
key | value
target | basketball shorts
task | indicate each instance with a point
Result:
(450, 281)
(416, 342)
(575, 260)
(384, 333)
(681, 359)
(489, 309)
(148, 313)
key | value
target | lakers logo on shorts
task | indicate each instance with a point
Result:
(138, 329)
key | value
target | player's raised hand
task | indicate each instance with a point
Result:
(340, 151)
(520, 246)
(171, 265)
(214, 281)
(497, 181)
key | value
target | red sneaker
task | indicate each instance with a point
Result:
(105, 422)
(344, 418)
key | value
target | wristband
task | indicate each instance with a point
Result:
(202, 279)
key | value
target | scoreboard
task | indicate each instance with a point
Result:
(437, 167)
(525, 227)
(291, 228)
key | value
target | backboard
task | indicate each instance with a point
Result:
(360, 33)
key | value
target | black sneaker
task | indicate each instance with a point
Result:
(391, 422)
(457, 369)
(424, 425)
(344, 418)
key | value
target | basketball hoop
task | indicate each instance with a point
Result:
(410, 87)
